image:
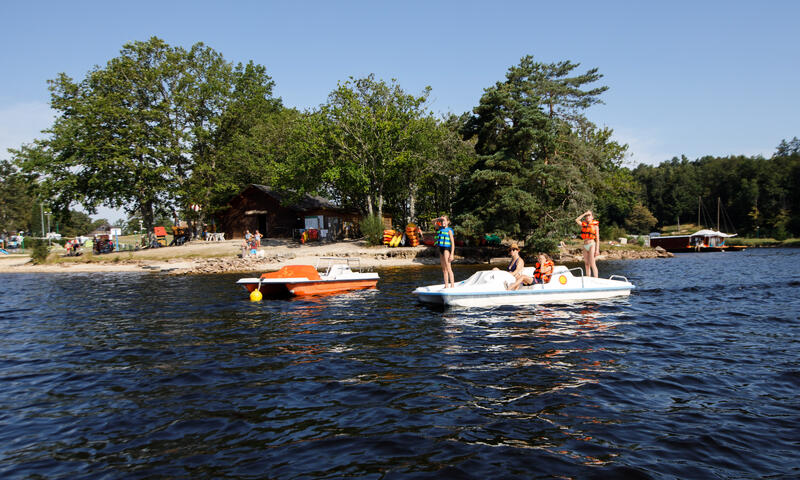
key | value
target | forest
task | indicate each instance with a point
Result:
(160, 128)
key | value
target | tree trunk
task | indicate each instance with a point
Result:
(147, 215)
(412, 201)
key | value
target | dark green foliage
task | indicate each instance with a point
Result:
(640, 220)
(540, 161)
(756, 194)
(15, 201)
(786, 149)
(39, 249)
(141, 133)
(75, 223)
(611, 232)
(372, 228)
(536, 244)
(374, 132)
(372, 148)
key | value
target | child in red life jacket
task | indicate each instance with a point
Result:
(544, 269)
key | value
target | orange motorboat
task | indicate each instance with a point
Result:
(337, 276)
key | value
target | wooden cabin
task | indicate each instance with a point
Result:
(262, 208)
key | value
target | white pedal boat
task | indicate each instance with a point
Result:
(488, 288)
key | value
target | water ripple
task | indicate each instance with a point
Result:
(142, 376)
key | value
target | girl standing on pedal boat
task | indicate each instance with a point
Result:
(590, 233)
(447, 244)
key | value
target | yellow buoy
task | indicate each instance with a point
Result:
(256, 296)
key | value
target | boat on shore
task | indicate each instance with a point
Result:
(330, 275)
(487, 288)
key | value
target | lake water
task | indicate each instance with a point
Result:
(695, 375)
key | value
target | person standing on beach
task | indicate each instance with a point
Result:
(447, 244)
(590, 233)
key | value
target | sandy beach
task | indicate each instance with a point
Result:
(217, 257)
(199, 257)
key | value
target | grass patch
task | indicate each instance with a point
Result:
(682, 229)
(764, 242)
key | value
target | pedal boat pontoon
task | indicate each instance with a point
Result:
(488, 289)
(337, 276)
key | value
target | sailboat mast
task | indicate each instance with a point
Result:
(718, 214)
(699, 199)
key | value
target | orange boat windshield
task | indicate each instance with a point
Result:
(294, 271)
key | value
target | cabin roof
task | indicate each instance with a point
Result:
(306, 202)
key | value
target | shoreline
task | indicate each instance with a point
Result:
(198, 258)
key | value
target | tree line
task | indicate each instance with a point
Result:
(161, 128)
(759, 196)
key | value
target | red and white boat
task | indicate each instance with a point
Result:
(337, 276)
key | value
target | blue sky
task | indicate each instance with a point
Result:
(685, 78)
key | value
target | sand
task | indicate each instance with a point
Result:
(199, 257)
(216, 257)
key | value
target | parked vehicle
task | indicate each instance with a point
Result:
(15, 242)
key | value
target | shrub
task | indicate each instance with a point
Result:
(40, 250)
(372, 228)
(536, 244)
(611, 232)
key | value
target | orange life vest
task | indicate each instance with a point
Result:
(545, 277)
(589, 230)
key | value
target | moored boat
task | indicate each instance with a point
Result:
(488, 288)
(700, 241)
(704, 240)
(330, 275)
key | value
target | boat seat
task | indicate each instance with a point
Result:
(337, 270)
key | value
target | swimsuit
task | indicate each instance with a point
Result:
(513, 266)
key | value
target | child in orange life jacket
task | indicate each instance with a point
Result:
(590, 233)
(544, 269)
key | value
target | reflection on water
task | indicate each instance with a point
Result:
(527, 356)
(146, 376)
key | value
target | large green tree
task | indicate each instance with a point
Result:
(301, 152)
(540, 160)
(140, 133)
(426, 178)
(281, 150)
(371, 129)
(220, 170)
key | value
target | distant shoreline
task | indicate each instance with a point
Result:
(200, 257)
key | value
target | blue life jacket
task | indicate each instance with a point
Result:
(443, 237)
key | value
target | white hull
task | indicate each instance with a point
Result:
(487, 289)
(307, 280)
